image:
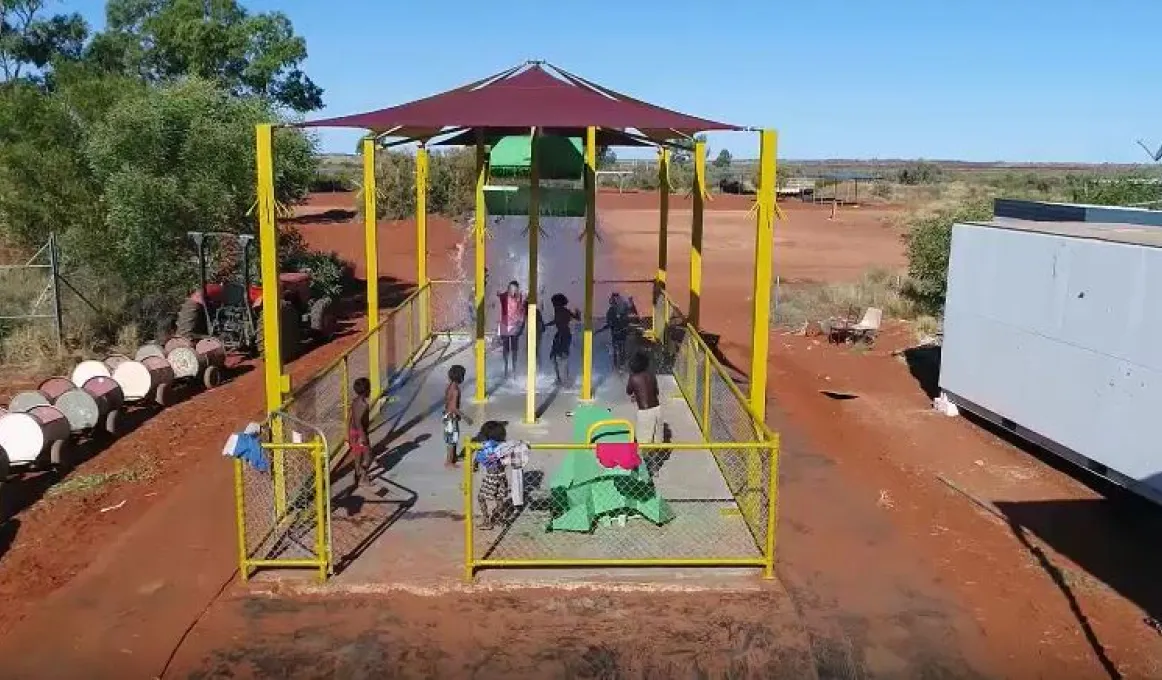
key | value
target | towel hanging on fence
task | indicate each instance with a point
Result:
(247, 447)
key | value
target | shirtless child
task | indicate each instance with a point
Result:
(642, 388)
(452, 413)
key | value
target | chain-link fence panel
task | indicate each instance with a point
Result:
(576, 506)
(279, 497)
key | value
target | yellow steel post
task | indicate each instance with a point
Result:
(371, 264)
(478, 289)
(531, 368)
(772, 507)
(663, 241)
(240, 519)
(422, 233)
(533, 282)
(320, 468)
(764, 238)
(590, 233)
(275, 382)
(469, 548)
(696, 224)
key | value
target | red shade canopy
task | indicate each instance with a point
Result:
(524, 97)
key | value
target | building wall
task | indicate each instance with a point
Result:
(1063, 337)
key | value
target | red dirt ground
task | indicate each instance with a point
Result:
(1024, 572)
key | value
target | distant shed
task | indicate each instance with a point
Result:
(1053, 330)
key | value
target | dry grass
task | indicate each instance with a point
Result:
(795, 304)
(81, 484)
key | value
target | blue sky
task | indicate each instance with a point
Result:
(982, 80)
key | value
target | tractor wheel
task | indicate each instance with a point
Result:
(323, 321)
(191, 320)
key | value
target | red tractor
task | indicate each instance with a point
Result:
(232, 311)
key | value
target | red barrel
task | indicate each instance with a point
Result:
(105, 390)
(55, 429)
(211, 352)
(55, 386)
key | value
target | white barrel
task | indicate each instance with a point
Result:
(89, 369)
(52, 388)
(114, 360)
(134, 379)
(25, 435)
(185, 362)
(175, 342)
(211, 351)
(80, 409)
(23, 402)
(150, 350)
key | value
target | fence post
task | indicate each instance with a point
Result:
(344, 390)
(55, 272)
(772, 506)
(321, 509)
(240, 518)
(469, 548)
(706, 394)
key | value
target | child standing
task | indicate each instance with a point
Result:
(563, 339)
(452, 414)
(642, 388)
(494, 488)
(512, 324)
(358, 424)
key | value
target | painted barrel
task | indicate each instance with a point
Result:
(89, 369)
(211, 351)
(114, 360)
(24, 436)
(137, 381)
(107, 390)
(23, 402)
(80, 408)
(161, 375)
(149, 350)
(54, 387)
(185, 362)
(175, 342)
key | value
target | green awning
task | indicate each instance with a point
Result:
(559, 157)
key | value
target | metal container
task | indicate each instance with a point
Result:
(54, 387)
(23, 402)
(1051, 332)
(175, 342)
(212, 355)
(93, 406)
(89, 369)
(26, 436)
(150, 350)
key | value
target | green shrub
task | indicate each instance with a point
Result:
(928, 241)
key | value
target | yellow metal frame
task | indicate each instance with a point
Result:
(761, 292)
(590, 234)
(371, 260)
(533, 283)
(422, 233)
(696, 225)
(663, 238)
(478, 288)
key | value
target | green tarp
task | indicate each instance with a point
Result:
(582, 490)
(558, 157)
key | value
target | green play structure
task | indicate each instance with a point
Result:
(561, 164)
(582, 491)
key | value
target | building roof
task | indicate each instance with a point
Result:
(1112, 232)
(533, 94)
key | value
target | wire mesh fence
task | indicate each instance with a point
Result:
(571, 504)
(280, 504)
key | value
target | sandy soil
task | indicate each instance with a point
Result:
(910, 544)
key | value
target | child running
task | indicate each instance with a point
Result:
(563, 339)
(452, 413)
(358, 424)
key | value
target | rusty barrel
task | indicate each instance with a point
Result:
(89, 369)
(25, 436)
